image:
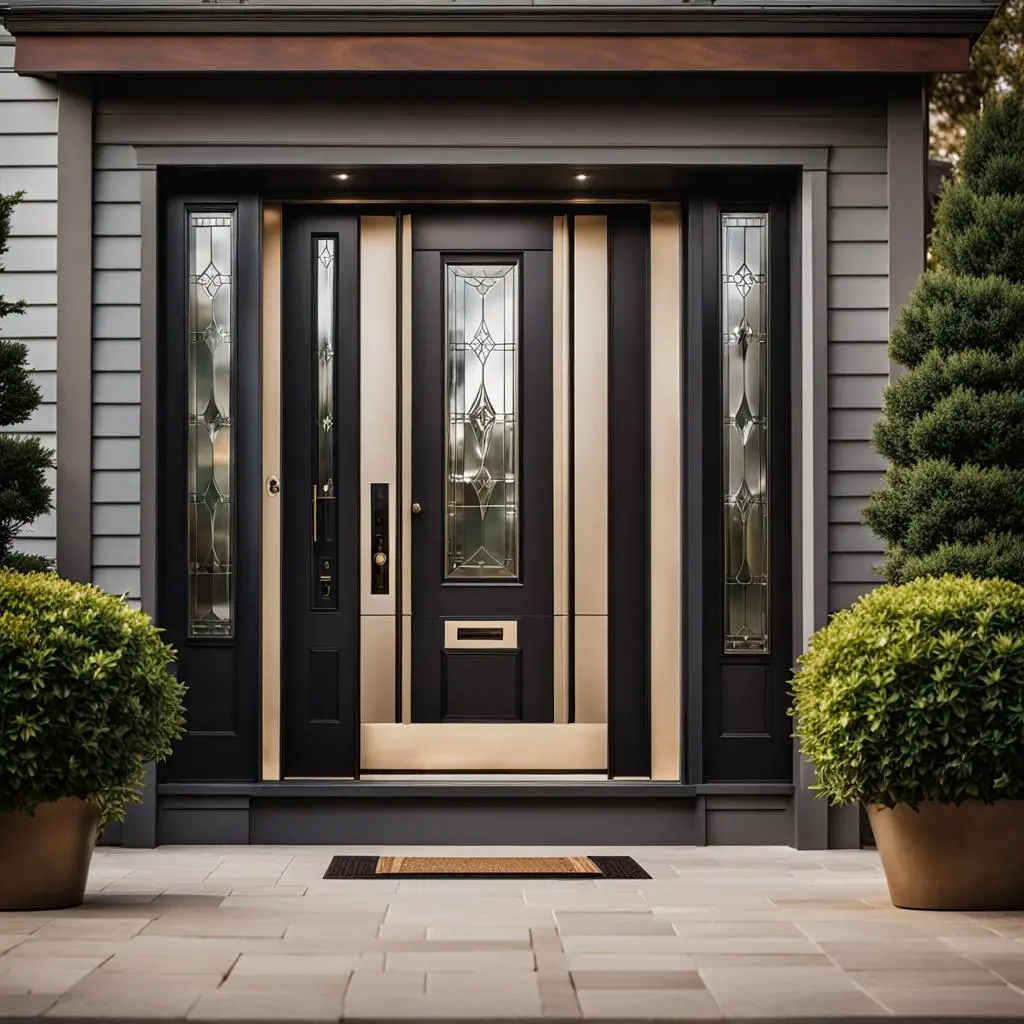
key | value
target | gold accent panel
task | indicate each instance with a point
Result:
(666, 488)
(378, 453)
(377, 668)
(561, 337)
(490, 746)
(270, 577)
(406, 460)
(591, 668)
(509, 639)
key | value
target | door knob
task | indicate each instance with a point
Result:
(417, 508)
(273, 486)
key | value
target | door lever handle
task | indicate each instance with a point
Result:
(314, 512)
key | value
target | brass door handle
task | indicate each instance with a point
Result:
(273, 486)
(314, 512)
(417, 508)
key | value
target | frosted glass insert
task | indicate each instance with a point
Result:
(745, 423)
(211, 598)
(482, 381)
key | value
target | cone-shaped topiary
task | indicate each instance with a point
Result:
(952, 427)
(24, 493)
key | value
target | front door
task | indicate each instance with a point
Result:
(482, 492)
(319, 484)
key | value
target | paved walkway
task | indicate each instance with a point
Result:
(257, 934)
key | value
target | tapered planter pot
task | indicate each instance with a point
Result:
(943, 857)
(44, 857)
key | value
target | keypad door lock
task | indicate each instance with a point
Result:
(380, 538)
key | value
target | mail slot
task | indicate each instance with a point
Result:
(495, 634)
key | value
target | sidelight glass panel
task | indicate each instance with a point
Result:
(482, 458)
(745, 352)
(211, 471)
(325, 349)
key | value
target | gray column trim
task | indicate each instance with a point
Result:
(74, 330)
(139, 829)
(908, 190)
(416, 156)
(811, 478)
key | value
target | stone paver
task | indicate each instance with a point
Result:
(249, 934)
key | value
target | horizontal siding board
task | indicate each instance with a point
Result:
(114, 158)
(120, 186)
(115, 420)
(46, 380)
(42, 353)
(25, 117)
(116, 322)
(124, 219)
(846, 292)
(846, 510)
(116, 388)
(35, 322)
(842, 595)
(857, 357)
(34, 219)
(115, 287)
(115, 551)
(851, 537)
(32, 254)
(858, 225)
(28, 150)
(117, 253)
(33, 90)
(42, 421)
(118, 486)
(110, 355)
(858, 190)
(855, 456)
(115, 453)
(858, 160)
(853, 485)
(862, 392)
(40, 182)
(120, 581)
(858, 324)
(854, 567)
(37, 287)
(116, 520)
(852, 424)
(859, 258)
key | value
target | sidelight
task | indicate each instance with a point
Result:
(211, 469)
(745, 353)
(482, 456)
(324, 498)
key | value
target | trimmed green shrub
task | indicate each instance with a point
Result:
(917, 693)
(86, 698)
(952, 427)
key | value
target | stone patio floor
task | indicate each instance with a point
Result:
(255, 933)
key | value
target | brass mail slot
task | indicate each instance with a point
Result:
(500, 635)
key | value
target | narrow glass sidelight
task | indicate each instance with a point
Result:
(324, 496)
(745, 369)
(482, 456)
(211, 457)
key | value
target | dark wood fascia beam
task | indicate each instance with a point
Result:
(100, 54)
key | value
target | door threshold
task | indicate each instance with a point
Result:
(495, 777)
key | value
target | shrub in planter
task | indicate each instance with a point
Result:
(912, 703)
(952, 428)
(86, 700)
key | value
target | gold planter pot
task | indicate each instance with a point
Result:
(944, 857)
(44, 858)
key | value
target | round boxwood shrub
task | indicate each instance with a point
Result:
(86, 698)
(916, 693)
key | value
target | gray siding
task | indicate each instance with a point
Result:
(28, 161)
(858, 302)
(236, 118)
(116, 354)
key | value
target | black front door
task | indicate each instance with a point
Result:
(319, 488)
(482, 576)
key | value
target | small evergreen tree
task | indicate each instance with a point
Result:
(953, 424)
(24, 493)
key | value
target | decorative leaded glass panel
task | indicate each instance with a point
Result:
(745, 422)
(211, 599)
(326, 268)
(482, 458)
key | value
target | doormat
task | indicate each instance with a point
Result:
(484, 867)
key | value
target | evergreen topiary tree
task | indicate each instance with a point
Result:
(24, 492)
(953, 424)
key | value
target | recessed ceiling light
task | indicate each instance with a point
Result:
(342, 177)
(582, 177)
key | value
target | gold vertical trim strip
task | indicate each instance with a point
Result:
(561, 412)
(405, 284)
(666, 488)
(378, 454)
(590, 466)
(270, 579)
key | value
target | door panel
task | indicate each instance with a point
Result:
(482, 468)
(319, 490)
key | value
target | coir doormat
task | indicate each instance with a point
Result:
(484, 867)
